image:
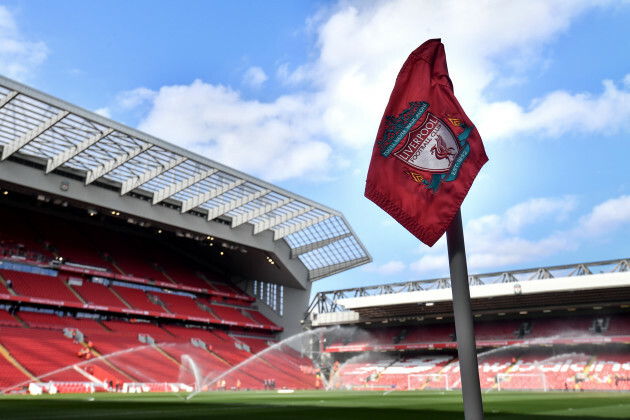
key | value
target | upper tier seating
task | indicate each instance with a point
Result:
(229, 313)
(618, 325)
(98, 294)
(133, 329)
(137, 298)
(126, 254)
(497, 330)
(430, 334)
(260, 318)
(17, 236)
(183, 305)
(40, 286)
(70, 243)
(561, 327)
(52, 321)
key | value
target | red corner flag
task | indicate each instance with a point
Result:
(427, 152)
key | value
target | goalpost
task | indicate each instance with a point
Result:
(417, 381)
(522, 381)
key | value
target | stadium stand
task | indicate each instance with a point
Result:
(40, 286)
(137, 298)
(97, 294)
(258, 317)
(67, 241)
(148, 299)
(7, 319)
(44, 354)
(229, 314)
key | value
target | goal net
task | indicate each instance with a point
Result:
(416, 382)
(521, 381)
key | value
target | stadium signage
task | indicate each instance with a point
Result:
(129, 311)
(480, 343)
(166, 285)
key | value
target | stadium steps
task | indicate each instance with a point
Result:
(4, 283)
(121, 299)
(165, 274)
(281, 364)
(204, 307)
(120, 270)
(513, 365)
(7, 355)
(230, 365)
(208, 309)
(156, 300)
(233, 365)
(590, 364)
(104, 359)
(262, 360)
(168, 356)
(9, 319)
(248, 315)
(166, 331)
(219, 358)
(200, 275)
(74, 292)
(22, 323)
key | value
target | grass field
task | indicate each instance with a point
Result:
(318, 405)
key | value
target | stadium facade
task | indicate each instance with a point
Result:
(273, 243)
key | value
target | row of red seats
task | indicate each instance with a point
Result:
(59, 289)
(618, 325)
(47, 354)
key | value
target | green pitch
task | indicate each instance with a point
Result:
(318, 405)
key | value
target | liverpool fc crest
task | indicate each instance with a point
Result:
(431, 146)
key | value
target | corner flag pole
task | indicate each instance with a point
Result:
(464, 330)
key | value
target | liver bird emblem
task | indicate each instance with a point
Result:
(442, 151)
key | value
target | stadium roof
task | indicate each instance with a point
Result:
(63, 138)
(603, 283)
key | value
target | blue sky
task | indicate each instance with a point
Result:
(293, 92)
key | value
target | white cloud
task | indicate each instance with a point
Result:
(275, 140)
(360, 48)
(387, 269)
(605, 217)
(18, 56)
(105, 112)
(559, 113)
(501, 240)
(533, 210)
(431, 264)
(134, 98)
(254, 76)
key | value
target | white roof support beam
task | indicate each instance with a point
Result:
(209, 195)
(136, 181)
(217, 211)
(296, 252)
(287, 230)
(173, 189)
(8, 98)
(26, 138)
(71, 152)
(268, 223)
(246, 217)
(109, 166)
